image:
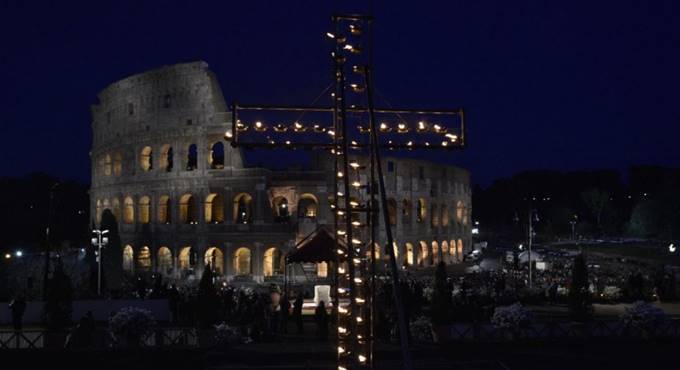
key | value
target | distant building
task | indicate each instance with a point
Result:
(184, 200)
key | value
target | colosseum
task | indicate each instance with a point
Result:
(184, 198)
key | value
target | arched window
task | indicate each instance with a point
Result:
(105, 164)
(117, 164)
(187, 259)
(164, 210)
(216, 157)
(215, 259)
(424, 254)
(192, 157)
(406, 211)
(115, 204)
(187, 209)
(214, 209)
(98, 211)
(129, 210)
(144, 259)
(322, 269)
(435, 252)
(445, 214)
(410, 260)
(281, 209)
(445, 251)
(273, 262)
(460, 210)
(128, 259)
(392, 211)
(243, 209)
(395, 248)
(105, 205)
(452, 249)
(421, 210)
(166, 158)
(144, 209)
(460, 249)
(307, 206)
(164, 261)
(146, 159)
(242, 264)
(434, 216)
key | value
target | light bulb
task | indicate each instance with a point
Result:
(362, 358)
(340, 174)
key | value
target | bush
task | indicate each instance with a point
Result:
(642, 315)
(511, 317)
(132, 322)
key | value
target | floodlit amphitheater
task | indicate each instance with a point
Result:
(183, 198)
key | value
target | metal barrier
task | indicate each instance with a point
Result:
(25, 339)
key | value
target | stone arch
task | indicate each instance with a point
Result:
(406, 210)
(460, 249)
(421, 210)
(445, 214)
(117, 164)
(460, 210)
(164, 261)
(452, 250)
(166, 160)
(146, 159)
(144, 209)
(144, 259)
(434, 216)
(216, 157)
(410, 254)
(243, 211)
(192, 157)
(164, 209)
(214, 209)
(281, 209)
(378, 252)
(187, 259)
(307, 206)
(424, 254)
(128, 210)
(243, 261)
(128, 259)
(445, 251)
(105, 165)
(215, 258)
(322, 269)
(435, 252)
(115, 208)
(392, 211)
(273, 262)
(187, 209)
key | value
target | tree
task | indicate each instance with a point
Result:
(58, 307)
(441, 297)
(579, 296)
(208, 300)
(596, 200)
(112, 254)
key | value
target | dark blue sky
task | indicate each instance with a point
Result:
(547, 84)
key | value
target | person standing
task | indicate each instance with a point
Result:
(297, 312)
(321, 318)
(285, 312)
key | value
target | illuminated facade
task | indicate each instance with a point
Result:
(184, 200)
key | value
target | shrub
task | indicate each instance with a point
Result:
(132, 322)
(511, 317)
(643, 315)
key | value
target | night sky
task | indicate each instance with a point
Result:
(552, 84)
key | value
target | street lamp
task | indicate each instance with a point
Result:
(573, 227)
(99, 241)
(533, 217)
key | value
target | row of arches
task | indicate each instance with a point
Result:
(423, 253)
(164, 160)
(141, 260)
(213, 211)
(439, 213)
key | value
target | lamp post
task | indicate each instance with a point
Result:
(573, 227)
(99, 241)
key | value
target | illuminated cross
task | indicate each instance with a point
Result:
(355, 132)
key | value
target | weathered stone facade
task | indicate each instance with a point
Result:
(183, 198)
